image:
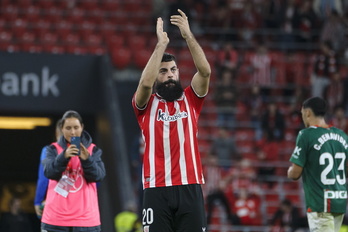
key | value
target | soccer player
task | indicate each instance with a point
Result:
(168, 119)
(320, 157)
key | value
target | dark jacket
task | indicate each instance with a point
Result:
(93, 167)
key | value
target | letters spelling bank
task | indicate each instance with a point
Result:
(12, 84)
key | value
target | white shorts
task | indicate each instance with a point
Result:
(324, 222)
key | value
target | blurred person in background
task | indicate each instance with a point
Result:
(323, 8)
(261, 66)
(72, 198)
(325, 64)
(128, 220)
(168, 117)
(42, 181)
(215, 189)
(287, 218)
(334, 92)
(273, 121)
(267, 151)
(224, 148)
(228, 59)
(225, 98)
(333, 30)
(15, 220)
(339, 119)
(247, 207)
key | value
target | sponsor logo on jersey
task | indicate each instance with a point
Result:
(165, 117)
(330, 194)
(296, 152)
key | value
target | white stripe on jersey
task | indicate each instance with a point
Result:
(167, 155)
(181, 136)
(191, 137)
(152, 142)
(325, 202)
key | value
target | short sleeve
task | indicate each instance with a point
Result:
(299, 155)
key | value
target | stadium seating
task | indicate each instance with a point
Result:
(124, 30)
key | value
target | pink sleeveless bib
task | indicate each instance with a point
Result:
(80, 208)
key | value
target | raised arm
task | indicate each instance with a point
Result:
(200, 81)
(151, 70)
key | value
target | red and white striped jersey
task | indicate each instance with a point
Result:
(169, 129)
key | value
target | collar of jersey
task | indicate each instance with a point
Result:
(161, 98)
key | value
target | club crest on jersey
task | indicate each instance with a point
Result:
(165, 117)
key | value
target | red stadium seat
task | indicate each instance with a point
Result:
(244, 134)
(6, 43)
(93, 40)
(88, 4)
(96, 15)
(76, 49)
(32, 48)
(111, 5)
(295, 198)
(63, 28)
(46, 4)
(54, 49)
(24, 3)
(5, 37)
(118, 18)
(121, 57)
(32, 13)
(107, 29)
(49, 39)
(19, 26)
(86, 28)
(129, 29)
(186, 72)
(41, 27)
(131, 6)
(28, 37)
(53, 14)
(5, 3)
(3, 23)
(70, 39)
(136, 43)
(10, 12)
(97, 50)
(75, 15)
(141, 57)
(115, 42)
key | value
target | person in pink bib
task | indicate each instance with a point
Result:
(72, 170)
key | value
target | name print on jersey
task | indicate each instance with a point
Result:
(330, 136)
(165, 117)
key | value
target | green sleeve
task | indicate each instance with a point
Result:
(299, 154)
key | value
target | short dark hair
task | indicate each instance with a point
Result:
(167, 57)
(70, 114)
(317, 105)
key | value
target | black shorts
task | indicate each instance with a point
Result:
(175, 208)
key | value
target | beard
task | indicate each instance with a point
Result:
(169, 90)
